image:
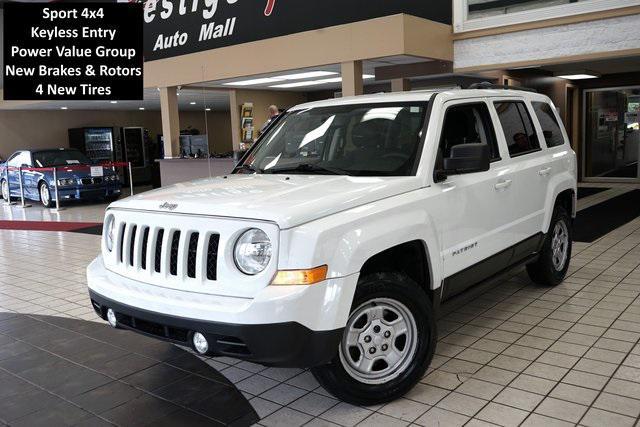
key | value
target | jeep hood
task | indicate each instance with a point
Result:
(287, 200)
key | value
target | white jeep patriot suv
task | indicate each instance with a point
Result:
(333, 242)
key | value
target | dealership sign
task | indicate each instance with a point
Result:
(178, 27)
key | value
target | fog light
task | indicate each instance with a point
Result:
(111, 317)
(200, 343)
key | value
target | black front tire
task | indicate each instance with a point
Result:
(392, 286)
(544, 271)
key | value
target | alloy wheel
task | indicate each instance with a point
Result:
(44, 194)
(559, 245)
(379, 342)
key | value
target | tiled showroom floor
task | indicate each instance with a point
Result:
(519, 354)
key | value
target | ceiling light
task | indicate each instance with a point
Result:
(207, 109)
(275, 79)
(114, 102)
(141, 108)
(579, 75)
(261, 81)
(192, 103)
(317, 82)
(63, 108)
(307, 75)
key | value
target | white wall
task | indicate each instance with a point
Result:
(593, 37)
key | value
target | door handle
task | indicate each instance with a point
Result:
(503, 184)
(544, 172)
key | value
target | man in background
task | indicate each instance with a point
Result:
(272, 113)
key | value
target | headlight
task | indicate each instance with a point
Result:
(108, 232)
(66, 181)
(252, 252)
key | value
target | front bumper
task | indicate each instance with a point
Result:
(294, 326)
(86, 192)
(276, 344)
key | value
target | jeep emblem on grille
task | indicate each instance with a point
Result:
(168, 206)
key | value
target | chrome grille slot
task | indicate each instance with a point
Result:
(192, 255)
(212, 257)
(158, 255)
(132, 244)
(121, 246)
(173, 257)
(145, 242)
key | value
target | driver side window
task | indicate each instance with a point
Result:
(467, 124)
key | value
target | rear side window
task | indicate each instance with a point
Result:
(548, 123)
(467, 124)
(517, 127)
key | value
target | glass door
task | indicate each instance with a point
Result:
(611, 134)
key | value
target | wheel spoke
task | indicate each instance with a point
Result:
(352, 337)
(365, 364)
(399, 327)
(394, 356)
(375, 312)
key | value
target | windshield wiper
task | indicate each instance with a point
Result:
(246, 167)
(307, 167)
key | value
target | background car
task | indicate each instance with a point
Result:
(78, 178)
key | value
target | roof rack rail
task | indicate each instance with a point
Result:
(489, 85)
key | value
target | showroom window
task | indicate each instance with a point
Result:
(517, 126)
(471, 15)
(467, 124)
(549, 123)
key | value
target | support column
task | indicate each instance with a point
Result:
(234, 110)
(400, 85)
(352, 78)
(170, 121)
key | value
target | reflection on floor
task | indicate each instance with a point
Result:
(59, 371)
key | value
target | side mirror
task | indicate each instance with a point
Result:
(467, 158)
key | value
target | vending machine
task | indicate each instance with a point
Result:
(100, 144)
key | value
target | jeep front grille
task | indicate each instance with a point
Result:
(180, 256)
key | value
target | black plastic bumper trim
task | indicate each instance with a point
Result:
(287, 344)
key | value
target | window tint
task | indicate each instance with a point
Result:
(548, 123)
(467, 124)
(22, 158)
(517, 126)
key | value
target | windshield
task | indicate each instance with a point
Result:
(44, 159)
(358, 140)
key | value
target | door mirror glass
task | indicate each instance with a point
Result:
(467, 158)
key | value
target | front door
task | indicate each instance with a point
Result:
(471, 206)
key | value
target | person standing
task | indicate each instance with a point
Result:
(272, 113)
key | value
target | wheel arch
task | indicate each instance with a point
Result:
(411, 258)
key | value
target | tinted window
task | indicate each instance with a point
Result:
(467, 124)
(517, 126)
(548, 123)
(22, 158)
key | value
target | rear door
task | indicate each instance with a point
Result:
(470, 207)
(529, 174)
